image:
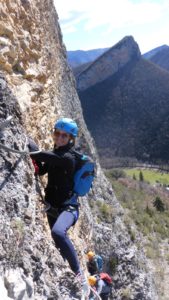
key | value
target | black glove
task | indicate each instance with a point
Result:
(32, 145)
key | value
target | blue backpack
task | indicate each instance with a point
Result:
(84, 174)
(99, 261)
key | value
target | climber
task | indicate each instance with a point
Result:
(59, 164)
(101, 286)
(95, 263)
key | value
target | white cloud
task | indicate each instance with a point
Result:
(69, 28)
(146, 20)
(70, 24)
(113, 13)
(123, 13)
(155, 39)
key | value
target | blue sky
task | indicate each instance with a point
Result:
(91, 24)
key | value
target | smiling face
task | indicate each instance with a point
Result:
(61, 138)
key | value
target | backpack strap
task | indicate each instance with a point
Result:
(73, 201)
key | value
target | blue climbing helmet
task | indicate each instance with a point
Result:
(67, 125)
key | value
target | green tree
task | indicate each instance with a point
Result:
(141, 176)
(158, 204)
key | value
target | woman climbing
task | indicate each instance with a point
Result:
(60, 165)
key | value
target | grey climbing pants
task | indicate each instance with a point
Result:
(59, 228)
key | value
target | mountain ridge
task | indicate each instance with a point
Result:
(118, 108)
(108, 63)
(154, 51)
(155, 55)
(161, 58)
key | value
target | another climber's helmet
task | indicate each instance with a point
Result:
(67, 125)
(90, 255)
(92, 280)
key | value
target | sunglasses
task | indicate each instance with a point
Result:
(60, 134)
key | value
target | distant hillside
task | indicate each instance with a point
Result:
(127, 111)
(79, 57)
(154, 51)
(161, 58)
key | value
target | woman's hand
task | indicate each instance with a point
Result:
(32, 146)
(36, 167)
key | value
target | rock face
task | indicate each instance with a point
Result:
(37, 86)
(109, 63)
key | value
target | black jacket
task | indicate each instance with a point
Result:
(93, 266)
(60, 166)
